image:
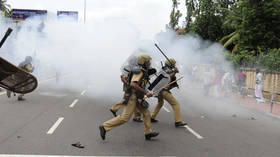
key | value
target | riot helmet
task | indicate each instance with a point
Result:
(171, 62)
(144, 60)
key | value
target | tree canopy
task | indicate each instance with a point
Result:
(5, 8)
(248, 29)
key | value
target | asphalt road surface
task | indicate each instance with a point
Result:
(51, 119)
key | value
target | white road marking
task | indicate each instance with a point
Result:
(73, 103)
(83, 92)
(59, 95)
(56, 124)
(193, 132)
(165, 109)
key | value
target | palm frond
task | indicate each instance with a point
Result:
(235, 48)
(232, 39)
(225, 38)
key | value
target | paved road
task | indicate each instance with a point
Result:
(53, 118)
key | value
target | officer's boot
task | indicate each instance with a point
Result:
(137, 120)
(150, 135)
(8, 93)
(180, 124)
(20, 98)
(102, 132)
(153, 120)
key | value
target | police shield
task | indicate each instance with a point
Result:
(15, 79)
(159, 81)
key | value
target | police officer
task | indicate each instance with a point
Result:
(114, 109)
(165, 94)
(126, 75)
(27, 66)
(138, 82)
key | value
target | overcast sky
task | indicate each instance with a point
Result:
(142, 13)
(98, 8)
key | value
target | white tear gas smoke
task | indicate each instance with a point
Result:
(93, 53)
(189, 51)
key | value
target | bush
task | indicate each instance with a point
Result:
(242, 59)
(271, 60)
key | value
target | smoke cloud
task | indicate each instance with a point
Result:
(92, 53)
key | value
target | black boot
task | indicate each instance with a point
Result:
(150, 135)
(21, 99)
(153, 120)
(137, 120)
(180, 124)
(114, 113)
(102, 132)
(8, 93)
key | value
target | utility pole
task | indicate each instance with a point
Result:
(0, 6)
(85, 6)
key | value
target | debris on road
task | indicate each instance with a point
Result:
(252, 118)
(78, 145)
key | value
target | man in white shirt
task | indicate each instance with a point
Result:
(207, 81)
(259, 86)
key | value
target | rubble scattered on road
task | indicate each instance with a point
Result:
(252, 118)
(18, 136)
(78, 145)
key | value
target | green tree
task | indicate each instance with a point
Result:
(257, 37)
(231, 22)
(175, 15)
(249, 29)
(225, 6)
(206, 17)
(208, 23)
(270, 60)
(191, 8)
(260, 27)
(5, 8)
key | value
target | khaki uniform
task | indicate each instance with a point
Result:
(28, 68)
(166, 95)
(120, 105)
(130, 108)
